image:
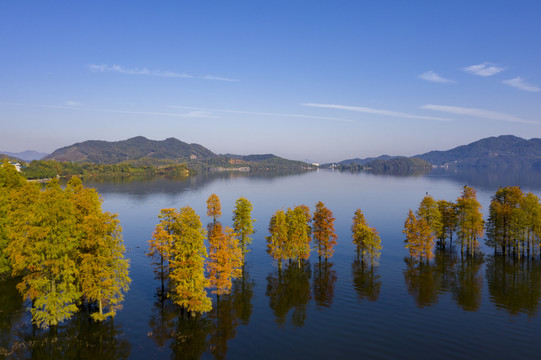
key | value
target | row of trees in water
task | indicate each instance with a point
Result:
(513, 227)
(65, 252)
(181, 258)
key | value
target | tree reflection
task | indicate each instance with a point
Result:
(324, 282)
(190, 336)
(290, 289)
(421, 281)
(366, 281)
(78, 338)
(468, 283)
(514, 284)
(242, 293)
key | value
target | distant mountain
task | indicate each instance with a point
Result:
(134, 149)
(27, 155)
(365, 161)
(506, 151)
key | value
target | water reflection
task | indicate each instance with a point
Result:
(289, 288)
(324, 282)
(490, 178)
(446, 273)
(366, 281)
(514, 284)
(79, 337)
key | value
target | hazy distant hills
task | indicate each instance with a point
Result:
(27, 155)
(137, 148)
(358, 161)
(506, 151)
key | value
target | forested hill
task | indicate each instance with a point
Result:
(504, 151)
(137, 148)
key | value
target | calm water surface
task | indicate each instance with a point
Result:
(483, 308)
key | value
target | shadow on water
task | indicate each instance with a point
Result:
(514, 284)
(287, 289)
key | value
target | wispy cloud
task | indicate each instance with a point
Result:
(262, 113)
(377, 111)
(136, 71)
(73, 103)
(478, 113)
(144, 71)
(519, 83)
(433, 77)
(210, 77)
(484, 69)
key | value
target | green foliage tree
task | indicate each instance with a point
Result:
(103, 270)
(188, 263)
(10, 183)
(419, 238)
(366, 239)
(323, 230)
(448, 222)
(277, 241)
(470, 221)
(429, 210)
(243, 224)
(298, 230)
(43, 250)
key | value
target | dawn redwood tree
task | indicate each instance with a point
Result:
(470, 221)
(366, 239)
(188, 263)
(214, 208)
(225, 259)
(419, 238)
(428, 210)
(11, 182)
(299, 231)
(503, 218)
(323, 230)
(277, 241)
(44, 252)
(160, 247)
(103, 270)
(448, 222)
(243, 224)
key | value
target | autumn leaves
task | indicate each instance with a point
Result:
(67, 252)
(180, 255)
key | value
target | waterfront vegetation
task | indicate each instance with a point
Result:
(67, 258)
(65, 252)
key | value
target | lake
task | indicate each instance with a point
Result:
(483, 308)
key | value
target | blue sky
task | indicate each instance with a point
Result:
(317, 80)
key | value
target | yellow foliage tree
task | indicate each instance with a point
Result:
(214, 208)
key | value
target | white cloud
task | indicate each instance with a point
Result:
(210, 77)
(519, 83)
(144, 71)
(433, 77)
(484, 69)
(262, 113)
(73, 103)
(478, 113)
(376, 111)
(136, 71)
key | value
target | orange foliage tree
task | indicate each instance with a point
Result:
(225, 259)
(323, 230)
(214, 208)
